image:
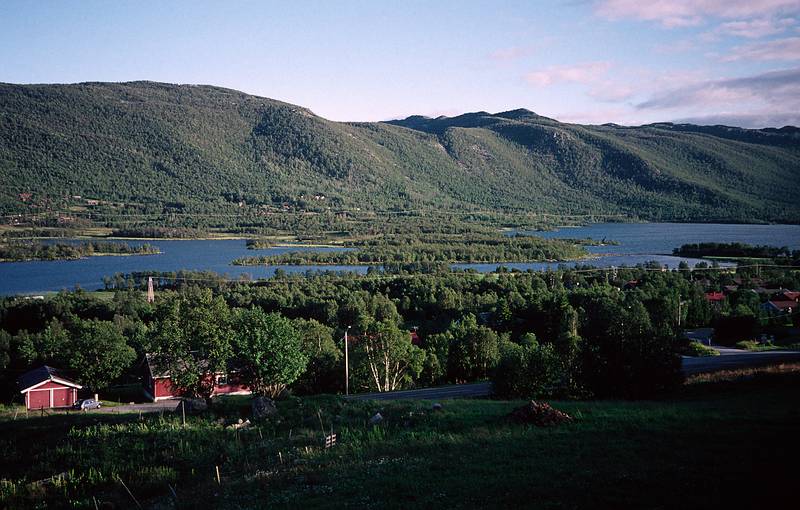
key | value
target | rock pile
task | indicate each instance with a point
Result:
(262, 408)
(539, 414)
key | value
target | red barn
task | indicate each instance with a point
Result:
(158, 385)
(45, 388)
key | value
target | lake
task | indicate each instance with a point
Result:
(661, 238)
(639, 243)
(195, 255)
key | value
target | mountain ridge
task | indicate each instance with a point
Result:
(193, 149)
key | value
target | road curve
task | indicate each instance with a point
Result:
(727, 360)
(730, 359)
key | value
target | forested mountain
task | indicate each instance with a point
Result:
(152, 148)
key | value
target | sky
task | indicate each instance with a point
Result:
(734, 62)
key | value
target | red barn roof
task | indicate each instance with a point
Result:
(715, 296)
(790, 295)
(782, 306)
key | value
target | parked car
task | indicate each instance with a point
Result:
(87, 403)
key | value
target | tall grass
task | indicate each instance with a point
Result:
(467, 454)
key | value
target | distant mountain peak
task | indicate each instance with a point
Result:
(517, 114)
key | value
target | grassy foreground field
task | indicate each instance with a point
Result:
(717, 444)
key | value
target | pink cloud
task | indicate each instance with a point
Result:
(589, 72)
(778, 49)
(679, 13)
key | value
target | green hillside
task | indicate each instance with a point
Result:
(202, 156)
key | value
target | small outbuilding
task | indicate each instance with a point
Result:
(46, 388)
(158, 383)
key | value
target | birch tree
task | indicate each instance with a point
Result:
(387, 356)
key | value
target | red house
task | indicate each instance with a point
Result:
(775, 306)
(787, 295)
(45, 388)
(158, 385)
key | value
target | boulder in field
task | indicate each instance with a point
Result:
(263, 408)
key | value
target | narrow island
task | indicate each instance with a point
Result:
(23, 251)
(733, 251)
(473, 248)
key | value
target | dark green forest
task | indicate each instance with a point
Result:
(734, 250)
(403, 249)
(575, 332)
(140, 155)
(20, 250)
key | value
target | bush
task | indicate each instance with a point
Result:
(699, 350)
(747, 345)
(527, 371)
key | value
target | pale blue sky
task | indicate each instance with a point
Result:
(624, 61)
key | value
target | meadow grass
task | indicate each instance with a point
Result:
(713, 445)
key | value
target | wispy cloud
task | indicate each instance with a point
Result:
(754, 28)
(778, 49)
(681, 13)
(778, 88)
(589, 72)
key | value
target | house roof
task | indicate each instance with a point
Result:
(791, 295)
(715, 296)
(782, 305)
(43, 374)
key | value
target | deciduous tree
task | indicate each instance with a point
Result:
(269, 349)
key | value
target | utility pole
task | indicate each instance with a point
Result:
(346, 364)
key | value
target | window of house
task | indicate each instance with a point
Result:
(222, 380)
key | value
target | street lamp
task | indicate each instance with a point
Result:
(346, 364)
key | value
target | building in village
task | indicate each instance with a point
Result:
(158, 384)
(46, 388)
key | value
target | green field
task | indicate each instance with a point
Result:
(729, 444)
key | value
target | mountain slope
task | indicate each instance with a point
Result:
(154, 148)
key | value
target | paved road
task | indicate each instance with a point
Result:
(728, 359)
(146, 407)
(735, 358)
(474, 390)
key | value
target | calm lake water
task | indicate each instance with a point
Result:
(639, 243)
